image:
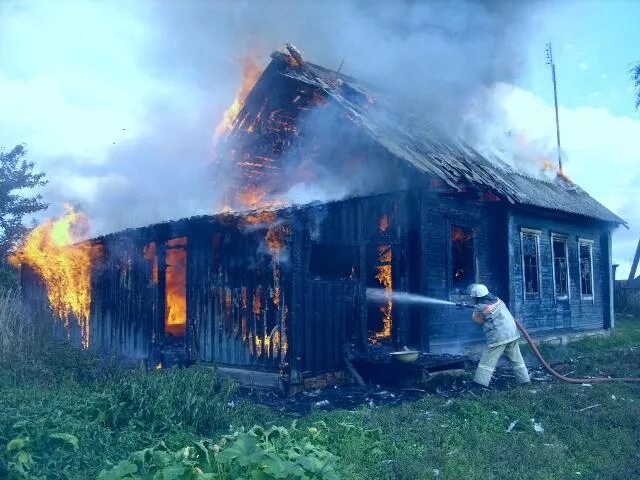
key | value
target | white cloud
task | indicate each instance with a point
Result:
(51, 123)
(78, 86)
(70, 82)
(602, 155)
(583, 66)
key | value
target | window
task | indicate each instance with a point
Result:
(332, 262)
(531, 262)
(560, 267)
(175, 315)
(462, 257)
(585, 258)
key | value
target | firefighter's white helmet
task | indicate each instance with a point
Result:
(477, 290)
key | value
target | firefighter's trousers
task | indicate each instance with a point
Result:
(490, 358)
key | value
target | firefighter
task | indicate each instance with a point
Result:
(501, 333)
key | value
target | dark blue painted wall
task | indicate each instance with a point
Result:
(444, 327)
(546, 313)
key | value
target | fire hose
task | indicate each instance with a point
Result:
(562, 377)
(550, 369)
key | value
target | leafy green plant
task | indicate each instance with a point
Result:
(260, 454)
(23, 452)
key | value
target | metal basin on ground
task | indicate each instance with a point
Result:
(405, 356)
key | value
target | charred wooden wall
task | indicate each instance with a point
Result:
(294, 310)
(329, 308)
(123, 300)
(237, 294)
(34, 294)
(238, 297)
(444, 328)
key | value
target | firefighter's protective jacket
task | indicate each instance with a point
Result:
(497, 322)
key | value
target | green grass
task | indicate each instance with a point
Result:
(113, 413)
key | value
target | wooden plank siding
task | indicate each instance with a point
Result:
(233, 319)
(449, 328)
(248, 310)
(546, 312)
(122, 301)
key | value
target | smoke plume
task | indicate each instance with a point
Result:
(442, 57)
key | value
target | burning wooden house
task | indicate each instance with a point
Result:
(281, 290)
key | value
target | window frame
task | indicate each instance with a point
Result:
(537, 235)
(312, 273)
(564, 239)
(589, 243)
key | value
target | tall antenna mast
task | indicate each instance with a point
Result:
(555, 100)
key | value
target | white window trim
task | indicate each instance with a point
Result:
(589, 243)
(565, 239)
(536, 234)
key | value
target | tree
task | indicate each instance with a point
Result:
(17, 178)
(635, 76)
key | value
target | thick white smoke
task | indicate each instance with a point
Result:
(443, 57)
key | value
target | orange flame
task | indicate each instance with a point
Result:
(284, 341)
(64, 265)
(383, 225)
(257, 301)
(250, 74)
(458, 234)
(176, 281)
(385, 277)
(265, 217)
(149, 253)
(547, 164)
(258, 346)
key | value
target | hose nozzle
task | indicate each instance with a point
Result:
(462, 305)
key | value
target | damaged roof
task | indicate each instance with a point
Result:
(406, 135)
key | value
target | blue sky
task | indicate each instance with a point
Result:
(117, 101)
(595, 43)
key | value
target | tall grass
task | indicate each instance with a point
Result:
(16, 332)
(24, 335)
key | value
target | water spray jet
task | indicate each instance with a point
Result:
(379, 295)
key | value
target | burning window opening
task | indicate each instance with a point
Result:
(380, 319)
(150, 254)
(64, 266)
(531, 263)
(175, 322)
(462, 258)
(383, 225)
(560, 268)
(331, 262)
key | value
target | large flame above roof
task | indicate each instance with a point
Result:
(250, 74)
